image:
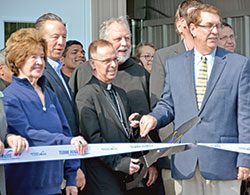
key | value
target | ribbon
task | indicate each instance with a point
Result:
(65, 152)
(232, 147)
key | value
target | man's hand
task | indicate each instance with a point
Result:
(80, 179)
(147, 123)
(71, 190)
(17, 143)
(243, 173)
(1, 148)
(132, 119)
(134, 166)
(80, 144)
(152, 173)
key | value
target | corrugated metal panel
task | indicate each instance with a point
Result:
(104, 9)
(235, 12)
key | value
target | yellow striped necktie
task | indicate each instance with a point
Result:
(201, 83)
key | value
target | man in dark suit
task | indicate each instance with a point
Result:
(158, 75)
(103, 115)
(212, 83)
(131, 77)
(54, 32)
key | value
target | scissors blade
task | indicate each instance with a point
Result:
(178, 133)
(152, 156)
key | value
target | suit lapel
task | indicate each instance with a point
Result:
(124, 114)
(218, 67)
(105, 101)
(189, 67)
(50, 71)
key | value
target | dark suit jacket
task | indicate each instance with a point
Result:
(3, 84)
(224, 114)
(100, 124)
(54, 82)
(157, 79)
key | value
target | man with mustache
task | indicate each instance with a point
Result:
(73, 56)
(131, 77)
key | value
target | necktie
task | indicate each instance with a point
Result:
(201, 83)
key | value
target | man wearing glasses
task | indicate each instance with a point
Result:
(103, 116)
(227, 38)
(212, 83)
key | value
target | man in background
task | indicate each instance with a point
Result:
(227, 37)
(5, 72)
(158, 75)
(73, 56)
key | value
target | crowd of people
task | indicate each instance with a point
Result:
(51, 95)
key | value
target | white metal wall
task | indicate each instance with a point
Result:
(76, 14)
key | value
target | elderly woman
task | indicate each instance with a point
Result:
(34, 112)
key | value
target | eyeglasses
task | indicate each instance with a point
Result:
(107, 61)
(210, 27)
(148, 57)
(231, 37)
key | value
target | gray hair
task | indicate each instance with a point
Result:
(42, 19)
(2, 57)
(104, 28)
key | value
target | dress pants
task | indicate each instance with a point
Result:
(197, 185)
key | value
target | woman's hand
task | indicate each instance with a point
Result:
(17, 143)
(80, 144)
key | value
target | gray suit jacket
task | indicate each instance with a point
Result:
(3, 123)
(3, 128)
(156, 84)
(225, 113)
(158, 73)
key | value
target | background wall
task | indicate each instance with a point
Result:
(76, 15)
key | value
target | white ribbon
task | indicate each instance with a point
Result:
(233, 147)
(64, 152)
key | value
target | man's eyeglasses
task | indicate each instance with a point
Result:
(231, 37)
(210, 27)
(107, 61)
(148, 57)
